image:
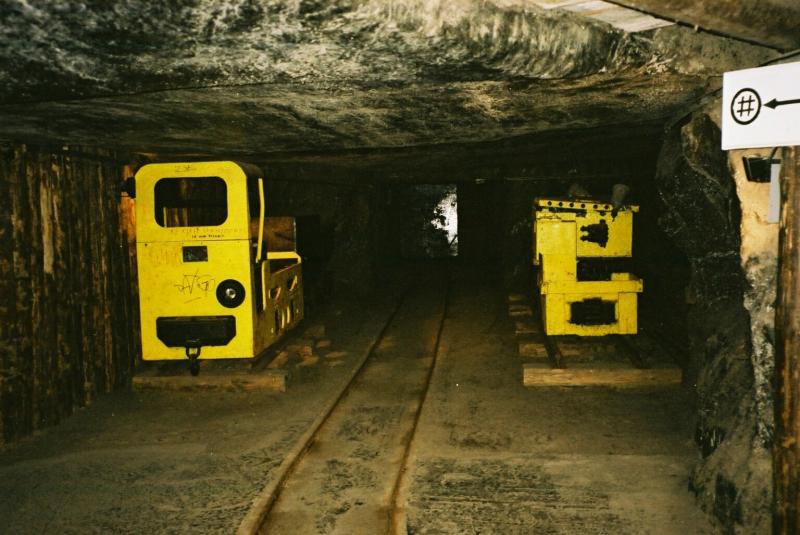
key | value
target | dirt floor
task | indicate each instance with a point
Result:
(179, 462)
(489, 457)
(494, 457)
(344, 483)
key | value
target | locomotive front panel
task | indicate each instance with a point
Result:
(203, 303)
(195, 261)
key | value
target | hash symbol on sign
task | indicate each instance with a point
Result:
(745, 106)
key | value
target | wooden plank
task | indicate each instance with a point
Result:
(520, 311)
(526, 327)
(65, 334)
(280, 234)
(532, 349)
(786, 446)
(622, 378)
(8, 294)
(280, 360)
(54, 406)
(80, 279)
(120, 276)
(105, 258)
(517, 299)
(571, 348)
(267, 380)
(769, 23)
(21, 403)
(62, 299)
(38, 292)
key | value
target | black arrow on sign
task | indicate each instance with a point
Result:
(774, 103)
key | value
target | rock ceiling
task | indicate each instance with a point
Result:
(260, 77)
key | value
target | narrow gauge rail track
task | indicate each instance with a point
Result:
(344, 474)
(612, 361)
(556, 358)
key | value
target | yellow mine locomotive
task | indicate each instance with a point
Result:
(217, 278)
(576, 243)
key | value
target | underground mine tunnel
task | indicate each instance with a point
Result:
(279, 266)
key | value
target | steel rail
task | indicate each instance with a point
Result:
(263, 503)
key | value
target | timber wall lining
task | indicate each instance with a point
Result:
(65, 293)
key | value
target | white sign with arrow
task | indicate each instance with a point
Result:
(761, 107)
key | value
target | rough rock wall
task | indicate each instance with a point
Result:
(335, 231)
(240, 77)
(703, 218)
(100, 48)
(759, 258)
(65, 301)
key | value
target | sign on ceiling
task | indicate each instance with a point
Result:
(761, 107)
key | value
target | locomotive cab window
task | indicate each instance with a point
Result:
(191, 202)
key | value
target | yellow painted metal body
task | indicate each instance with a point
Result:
(174, 286)
(560, 241)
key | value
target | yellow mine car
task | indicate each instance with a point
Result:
(217, 279)
(575, 244)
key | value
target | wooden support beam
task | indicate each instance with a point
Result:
(536, 375)
(66, 308)
(786, 449)
(765, 22)
(267, 380)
